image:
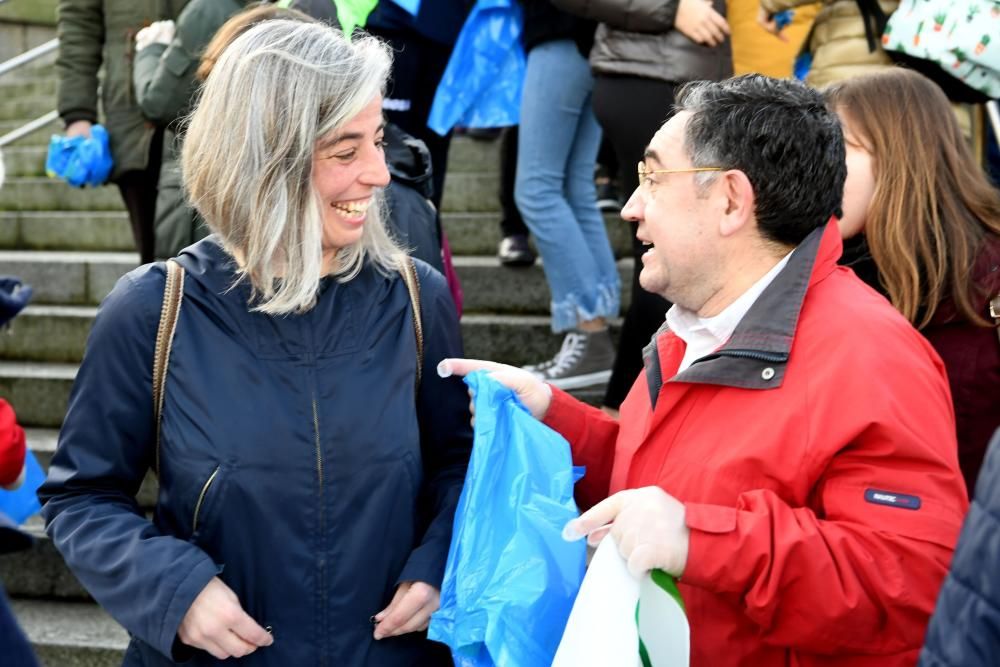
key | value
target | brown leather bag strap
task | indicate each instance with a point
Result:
(409, 273)
(173, 294)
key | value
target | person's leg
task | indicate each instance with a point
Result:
(556, 91)
(582, 197)
(138, 191)
(514, 249)
(630, 127)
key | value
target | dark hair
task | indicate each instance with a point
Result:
(782, 136)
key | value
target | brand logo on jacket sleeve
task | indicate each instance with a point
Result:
(892, 499)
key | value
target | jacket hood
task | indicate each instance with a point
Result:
(409, 160)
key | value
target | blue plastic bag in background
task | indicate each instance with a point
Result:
(511, 579)
(80, 160)
(22, 502)
(481, 87)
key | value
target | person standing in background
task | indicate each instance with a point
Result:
(930, 220)
(96, 33)
(635, 77)
(559, 138)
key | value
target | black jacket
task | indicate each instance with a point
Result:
(413, 220)
(965, 628)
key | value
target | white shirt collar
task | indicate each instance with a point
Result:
(704, 335)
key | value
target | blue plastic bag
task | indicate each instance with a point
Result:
(511, 579)
(481, 87)
(22, 502)
(80, 160)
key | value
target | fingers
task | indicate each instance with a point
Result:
(596, 517)
(641, 560)
(462, 367)
(248, 630)
(409, 611)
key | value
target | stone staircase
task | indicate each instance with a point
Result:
(72, 245)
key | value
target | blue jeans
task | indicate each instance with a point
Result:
(554, 190)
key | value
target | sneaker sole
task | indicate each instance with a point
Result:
(580, 381)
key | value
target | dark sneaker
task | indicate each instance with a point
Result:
(585, 359)
(515, 251)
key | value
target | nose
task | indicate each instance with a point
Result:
(376, 171)
(634, 207)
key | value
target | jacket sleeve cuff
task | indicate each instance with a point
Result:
(712, 543)
(70, 117)
(184, 595)
(426, 563)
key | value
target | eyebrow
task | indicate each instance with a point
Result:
(350, 136)
(650, 154)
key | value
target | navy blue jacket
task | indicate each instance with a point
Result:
(965, 627)
(296, 462)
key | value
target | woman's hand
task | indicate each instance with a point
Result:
(409, 611)
(700, 23)
(157, 32)
(217, 623)
(534, 394)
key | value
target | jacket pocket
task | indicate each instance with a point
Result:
(208, 500)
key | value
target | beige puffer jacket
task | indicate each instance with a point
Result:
(838, 43)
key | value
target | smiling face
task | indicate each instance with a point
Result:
(677, 222)
(859, 188)
(348, 166)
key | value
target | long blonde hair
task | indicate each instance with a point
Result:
(933, 206)
(247, 157)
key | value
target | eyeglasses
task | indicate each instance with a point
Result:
(646, 183)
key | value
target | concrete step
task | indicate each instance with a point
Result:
(84, 278)
(39, 572)
(464, 192)
(31, 86)
(25, 108)
(21, 160)
(479, 233)
(67, 278)
(47, 194)
(468, 233)
(39, 137)
(59, 334)
(66, 230)
(38, 392)
(471, 155)
(71, 634)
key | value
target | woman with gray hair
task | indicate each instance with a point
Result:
(309, 459)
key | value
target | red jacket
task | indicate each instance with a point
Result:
(815, 454)
(12, 446)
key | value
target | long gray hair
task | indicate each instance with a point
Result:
(247, 157)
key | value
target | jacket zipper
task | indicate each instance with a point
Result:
(770, 357)
(322, 524)
(201, 498)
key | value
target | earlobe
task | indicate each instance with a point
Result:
(739, 202)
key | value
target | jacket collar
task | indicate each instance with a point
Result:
(757, 353)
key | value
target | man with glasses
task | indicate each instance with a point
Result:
(789, 450)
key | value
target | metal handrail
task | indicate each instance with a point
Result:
(29, 55)
(28, 128)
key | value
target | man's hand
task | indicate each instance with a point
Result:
(535, 394)
(409, 611)
(648, 527)
(79, 128)
(698, 21)
(217, 623)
